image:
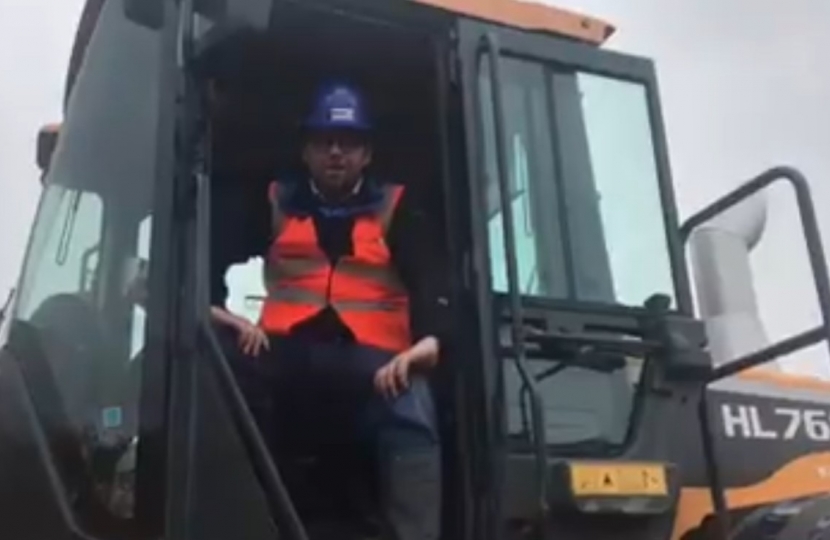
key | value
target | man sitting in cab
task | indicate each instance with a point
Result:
(334, 357)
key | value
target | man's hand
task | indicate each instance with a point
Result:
(393, 378)
(252, 339)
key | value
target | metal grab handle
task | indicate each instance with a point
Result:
(818, 265)
(276, 494)
(809, 226)
(490, 47)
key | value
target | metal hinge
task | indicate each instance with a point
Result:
(467, 270)
(452, 59)
(452, 69)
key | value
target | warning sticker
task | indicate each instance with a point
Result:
(618, 479)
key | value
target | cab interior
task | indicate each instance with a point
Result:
(261, 85)
(266, 81)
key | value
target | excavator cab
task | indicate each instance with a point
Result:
(570, 394)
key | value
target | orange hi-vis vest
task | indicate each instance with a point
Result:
(364, 288)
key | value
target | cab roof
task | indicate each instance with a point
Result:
(523, 14)
(530, 15)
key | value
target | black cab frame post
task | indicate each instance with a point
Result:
(490, 49)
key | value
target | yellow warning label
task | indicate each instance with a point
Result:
(618, 479)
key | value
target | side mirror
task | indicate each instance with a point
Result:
(47, 140)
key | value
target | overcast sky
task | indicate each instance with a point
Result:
(745, 86)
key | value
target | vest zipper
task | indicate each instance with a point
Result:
(332, 267)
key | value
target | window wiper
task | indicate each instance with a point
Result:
(62, 252)
(590, 360)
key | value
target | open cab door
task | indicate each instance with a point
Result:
(576, 265)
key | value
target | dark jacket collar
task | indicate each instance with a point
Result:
(299, 198)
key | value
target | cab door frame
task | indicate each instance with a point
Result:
(476, 42)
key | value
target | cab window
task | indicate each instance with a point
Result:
(585, 194)
(79, 323)
(588, 225)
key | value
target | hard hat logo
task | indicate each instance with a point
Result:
(338, 107)
(342, 115)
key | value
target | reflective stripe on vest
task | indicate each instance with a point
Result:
(364, 288)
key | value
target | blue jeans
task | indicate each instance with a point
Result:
(318, 396)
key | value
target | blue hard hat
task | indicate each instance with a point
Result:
(340, 106)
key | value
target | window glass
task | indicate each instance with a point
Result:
(136, 274)
(581, 406)
(83, 305)
(622, 160)
(585, 195)
(79, 317)
(67, 236)
(529, 157)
